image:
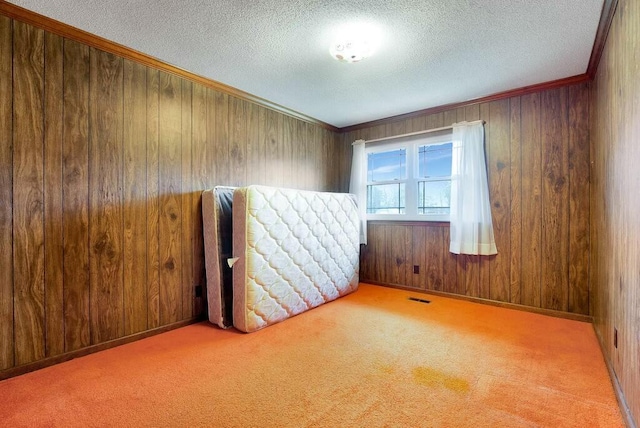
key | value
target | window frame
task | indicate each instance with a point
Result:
(411, 144)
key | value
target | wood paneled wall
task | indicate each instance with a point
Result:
(537, 148)
(102, 162)
(615, 199)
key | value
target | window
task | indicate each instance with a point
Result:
(409, 179)
(386, 181)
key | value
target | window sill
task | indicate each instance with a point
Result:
(425, 223)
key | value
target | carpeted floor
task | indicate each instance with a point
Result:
(370, 359)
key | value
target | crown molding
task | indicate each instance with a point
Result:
(606, 17)
(581, 78)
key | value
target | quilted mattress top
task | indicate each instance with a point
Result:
(297, 250)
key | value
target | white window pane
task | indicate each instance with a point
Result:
(387, 166)
(386, 198)
(434, 160)
(434, 197)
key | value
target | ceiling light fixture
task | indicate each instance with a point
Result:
(355, 42)
(350, 50)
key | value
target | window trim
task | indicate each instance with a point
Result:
(411, 187)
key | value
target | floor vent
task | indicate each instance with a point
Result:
(415, 299)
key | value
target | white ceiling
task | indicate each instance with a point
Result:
(433, 52)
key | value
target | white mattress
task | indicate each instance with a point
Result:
(296, 250)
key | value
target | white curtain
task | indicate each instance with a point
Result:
(470, 219)
(358, 185)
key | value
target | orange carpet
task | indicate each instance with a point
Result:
(371, 359)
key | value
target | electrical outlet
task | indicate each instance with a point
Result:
(615, 337)
(416, 269)
(198, 290)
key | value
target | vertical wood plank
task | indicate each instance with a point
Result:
(202, 170)
(435, 121)
(450, 264)
(367, 259)
(28, 198)
(449, 117)
(418, 123)
(6, 193)
(396, 128)
(208, 170)
(319, 160)
(471, 112)
(75, 191)
(579, 210)
(53, 215)
(221, 117)
(170, 219)
(378, 131)
(498, 165)
(484, 262)
(434, 258)
(471, 274)
(384, 248)
(419, 257)
(202, 154)
(338, 149)
(313, 147)
(322, 141)
(289, 138)
(408, 256)
(343, 150)
(300, 156)
(153, 198)
(555, 193)
(365, 263)
(376, 235)
(342, 146)
(531, 201)
(271, 139)
(306, 145)
(515, 288)
(105, 196)
(135, 193)
(256, 173)
(396, 257)
(339, 146)
(238, 118)
(186, 195)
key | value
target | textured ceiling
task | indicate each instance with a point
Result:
(432, 52)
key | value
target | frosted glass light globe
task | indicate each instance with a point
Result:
(350, 50)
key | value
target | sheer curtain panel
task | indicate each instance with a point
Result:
(358, 185)
(471, 227)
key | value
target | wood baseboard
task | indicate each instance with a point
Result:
(617, 389)
(37, 365)
(549, 312)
